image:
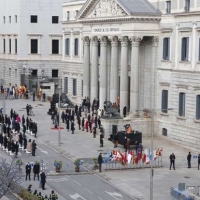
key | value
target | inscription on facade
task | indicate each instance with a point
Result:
(106, 30)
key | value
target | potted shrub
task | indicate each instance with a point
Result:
(95, 163)
(77, 163)
(58, 165)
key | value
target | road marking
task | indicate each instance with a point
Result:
(77, 182)
(89, 191)
(76, 196)
(38, 156)
(60, 180)
(45, 161)
(115, 195)
(100, 198)
(42, 150)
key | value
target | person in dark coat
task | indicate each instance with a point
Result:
(72, 127)
(100, 160)
(198, 161)
(27, 110)
(23, 120)
(28, 171)
(43, 179)
(34, 147)
(12, 146)
(76, 110)
(124, 111)
(115, 140)
(33, 96)
(1, 139)
(172, 160)
(83, 123)
(67, 124)
(36, 170)
(79, 122)
(63, 117)
(99, 122)
(95, 121)
(189, 159)
(101, 139)
(5, 142)
(25, 142)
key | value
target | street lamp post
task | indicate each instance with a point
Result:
(59, 134)
(152, 136)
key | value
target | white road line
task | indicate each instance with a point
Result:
(89, 191)
(100, 198)
(45, 161)
(61, 180)
(77, 182)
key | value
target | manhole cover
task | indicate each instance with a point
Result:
(99, 150)
(40, 104)
(186, 177)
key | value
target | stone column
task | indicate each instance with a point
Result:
(155, 43)
(114, 73)
(94, 69)
(124, 74)
(63, 46)
(103, 71)
(134, 103)
(86, 67)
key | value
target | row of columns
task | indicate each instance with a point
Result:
(114, 76)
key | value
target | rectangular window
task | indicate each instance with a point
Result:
(34, 46)
(55, 46)
(15, 46)
(99, 49)
(185, 49)
(66, 85)
(15, 72)
(166, 48)
(9, 73)
(182, 104)
(187, 5)
(54, 73)
(76, 12)
(4, 19)
(74, 87)
(15, 18)
(168, 7)
(55, 19)
(198, 107)
(9, 45)
(164, 105)
(67, 46)
(34, 72)
(9, 19)
(76, 47)
(4, 45)
(68, 15)
(33, 18)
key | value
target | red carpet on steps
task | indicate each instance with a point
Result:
(57, 128)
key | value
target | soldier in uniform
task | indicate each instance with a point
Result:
(53, 196)
(35, 193)
(40, 197)
(29, 188)
(46, 198)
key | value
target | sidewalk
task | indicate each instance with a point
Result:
(134, 182)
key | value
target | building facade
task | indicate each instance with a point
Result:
(144, 52)
(30, 41)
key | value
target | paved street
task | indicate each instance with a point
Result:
(107, 185)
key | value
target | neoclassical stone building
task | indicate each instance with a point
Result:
(145, 52)
(110, 50)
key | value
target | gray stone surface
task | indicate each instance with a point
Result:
(83, 145)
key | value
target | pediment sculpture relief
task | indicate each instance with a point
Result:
(106, 8)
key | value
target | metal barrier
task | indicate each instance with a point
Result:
(115, 165)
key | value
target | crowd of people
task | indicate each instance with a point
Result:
(88, 122)
(13, 134)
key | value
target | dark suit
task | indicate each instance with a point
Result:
(28, 171)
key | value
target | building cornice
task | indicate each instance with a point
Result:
(55, 34)
(34, 34)
(186, 14)
(126, 18)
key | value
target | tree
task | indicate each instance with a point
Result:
(10, 176)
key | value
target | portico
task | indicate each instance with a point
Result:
(113, 36)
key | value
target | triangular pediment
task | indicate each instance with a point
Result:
(102, 9)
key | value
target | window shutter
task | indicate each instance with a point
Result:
(66, 85)
(164, 48)
(187, 49)
(168, 51)
(180, 104)
(183, 48)
(198, 107)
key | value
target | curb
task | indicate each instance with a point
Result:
(77, 173)
(68, 156)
